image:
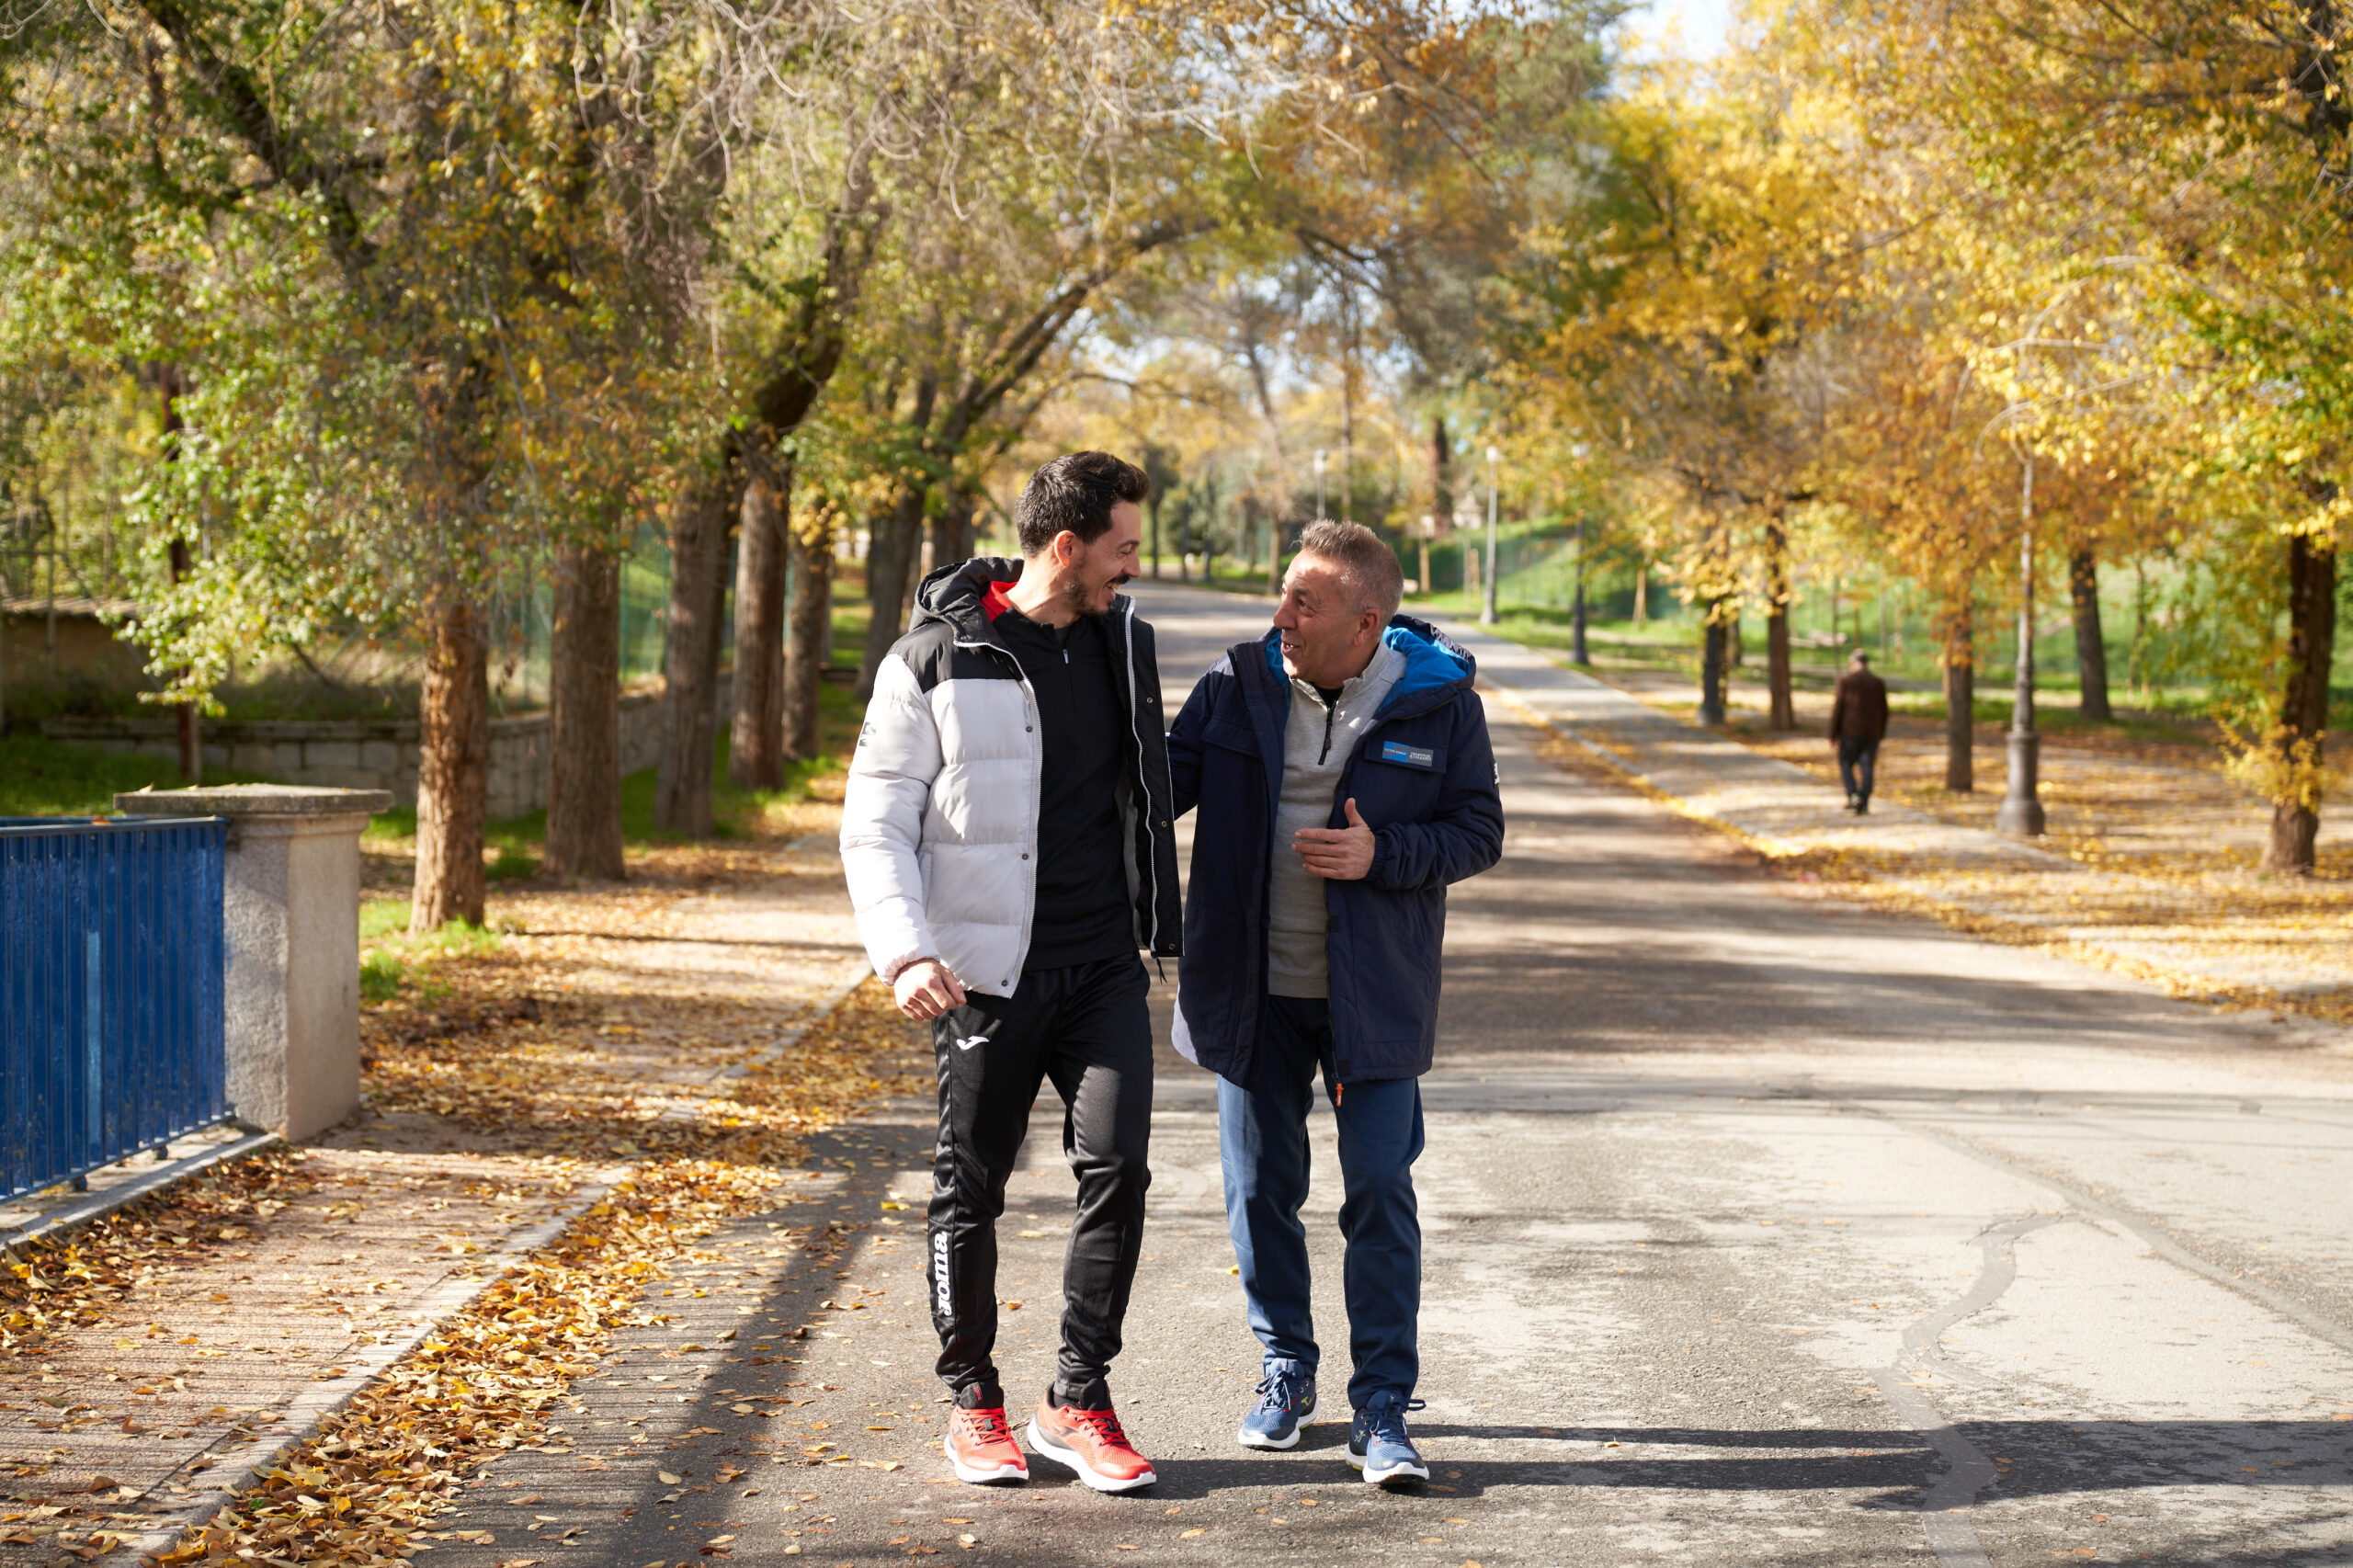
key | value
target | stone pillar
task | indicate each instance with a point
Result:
(292, 905)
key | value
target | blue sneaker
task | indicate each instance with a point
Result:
(1378, 1444)
(1286, 1399)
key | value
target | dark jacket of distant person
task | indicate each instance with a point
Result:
(1859, 706)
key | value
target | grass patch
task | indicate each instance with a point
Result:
(391, 962)
(42, 778)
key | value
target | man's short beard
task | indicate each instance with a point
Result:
(1081, 599)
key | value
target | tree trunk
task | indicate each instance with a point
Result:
(2304, 706)
(584, 717)
(1960, 702)
(890, 562)
(1442, 492)
(1781, 707)
(1712, 670)
(690, 657)
(1641, 594)
(951, 531)
(2091, 647)
(453, 772)
(756, 748)
(806, 651)
(191, 738)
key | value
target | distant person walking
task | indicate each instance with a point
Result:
(1858, 723)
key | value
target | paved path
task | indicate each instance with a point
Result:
(1757, 1231)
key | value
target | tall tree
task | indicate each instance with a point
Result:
(2223, 139)
(423, 309)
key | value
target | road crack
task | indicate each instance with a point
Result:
(1968, 1470)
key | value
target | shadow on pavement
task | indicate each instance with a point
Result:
(2033, 1457)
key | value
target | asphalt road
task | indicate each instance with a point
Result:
(1758, 1230)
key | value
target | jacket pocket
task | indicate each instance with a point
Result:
(1230, 736)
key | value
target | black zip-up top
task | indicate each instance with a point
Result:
(955, 636)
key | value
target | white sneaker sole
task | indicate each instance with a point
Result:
(1047, 1449)
(1394, 1473)
(1250, 1439)
(975, 1476)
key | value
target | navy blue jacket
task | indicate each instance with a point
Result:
(1423, 775)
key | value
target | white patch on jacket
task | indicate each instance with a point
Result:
(939, 825)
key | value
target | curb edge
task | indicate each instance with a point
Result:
(100, 1204)
(311, 1410)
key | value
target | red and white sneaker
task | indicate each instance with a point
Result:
(1090, 1443)
(980, 1445)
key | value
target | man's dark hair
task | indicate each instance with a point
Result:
(1860, 657)
(1074, 494)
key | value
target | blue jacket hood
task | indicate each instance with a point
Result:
(1437, 667)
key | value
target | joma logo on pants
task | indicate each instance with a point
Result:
(939, 1272)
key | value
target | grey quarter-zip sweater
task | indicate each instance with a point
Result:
(1317, 741)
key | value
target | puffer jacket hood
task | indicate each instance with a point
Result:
(952, 594)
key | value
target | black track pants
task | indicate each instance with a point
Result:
(1086, 1029)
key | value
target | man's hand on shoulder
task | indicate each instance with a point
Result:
(1343, 854)
(926, 988)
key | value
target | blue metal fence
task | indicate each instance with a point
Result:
(111, 965)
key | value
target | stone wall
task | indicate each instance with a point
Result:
(374, 754)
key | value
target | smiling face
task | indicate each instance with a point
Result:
(1089, 577)
(1325, 641)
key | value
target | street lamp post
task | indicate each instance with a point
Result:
(1319, 486)
(2021, 811)
(1487, 610)
(1577, 611)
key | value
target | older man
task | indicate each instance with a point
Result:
(1344, 777)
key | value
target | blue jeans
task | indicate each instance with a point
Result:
(1262, 1143)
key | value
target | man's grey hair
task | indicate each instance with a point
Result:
(1368, 567)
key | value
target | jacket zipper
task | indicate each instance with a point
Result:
(1143, 778)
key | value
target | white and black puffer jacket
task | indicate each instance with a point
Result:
(939, 827)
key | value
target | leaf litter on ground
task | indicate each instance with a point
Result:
(568, 1050)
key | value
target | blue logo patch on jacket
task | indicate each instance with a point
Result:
(1408, 756)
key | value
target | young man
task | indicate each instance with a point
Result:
(1007, 837)
(1344, 777)
(1858, 723)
